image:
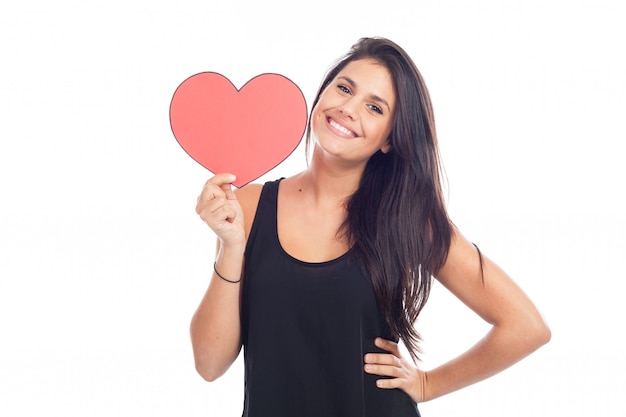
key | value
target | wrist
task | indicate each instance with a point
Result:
(228, 264)
(230, 255)
(425, 393)
(232, 281)
(419, 391)
(231, 251)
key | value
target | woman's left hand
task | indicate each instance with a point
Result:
(402, 372)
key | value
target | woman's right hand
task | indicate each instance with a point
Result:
(216, 324)
(218, 207)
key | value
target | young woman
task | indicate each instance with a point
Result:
(320, 275)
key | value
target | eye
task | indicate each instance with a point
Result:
(375, 108)
(343, 88)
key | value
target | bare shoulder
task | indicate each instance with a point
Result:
(463, 260)
(248, 197)
(485, 287)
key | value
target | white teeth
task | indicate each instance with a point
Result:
(340, 128)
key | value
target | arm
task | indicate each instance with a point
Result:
(517, 329)
(215, 326)
(517, 326)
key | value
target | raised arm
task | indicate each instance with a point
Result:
(216, 325)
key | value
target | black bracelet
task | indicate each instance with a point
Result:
(220, 275)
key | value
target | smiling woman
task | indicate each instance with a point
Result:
(352, 120)
(340, 258)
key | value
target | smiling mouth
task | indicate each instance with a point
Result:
(341, 128)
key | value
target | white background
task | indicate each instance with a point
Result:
(103, 259)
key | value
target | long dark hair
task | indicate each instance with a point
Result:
(396, 221)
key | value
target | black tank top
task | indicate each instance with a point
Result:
(305, 329)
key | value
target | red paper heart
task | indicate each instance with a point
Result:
(244, 132)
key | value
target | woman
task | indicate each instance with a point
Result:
(320, 275)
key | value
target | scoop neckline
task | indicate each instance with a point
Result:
(293, 258)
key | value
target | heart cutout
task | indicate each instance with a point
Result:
(245, 132)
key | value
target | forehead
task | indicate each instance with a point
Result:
(371, 76)
(367, 67)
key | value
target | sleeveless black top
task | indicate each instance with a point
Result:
(305, 330)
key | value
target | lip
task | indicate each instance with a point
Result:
(339, 129)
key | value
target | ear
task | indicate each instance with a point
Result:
(386, 147)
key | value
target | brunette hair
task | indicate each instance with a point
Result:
(396, 220)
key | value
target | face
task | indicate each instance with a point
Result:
(353, 117)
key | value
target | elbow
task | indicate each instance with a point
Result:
(211, 363)
(207, 375)
(544, 334)
(208, 371)
(527, 333)
(538, 332)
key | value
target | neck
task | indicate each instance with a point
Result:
(326, 181)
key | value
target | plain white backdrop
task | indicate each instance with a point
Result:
(103, 259)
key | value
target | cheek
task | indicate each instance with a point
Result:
(317, 118)
(379, 129)
(388, 127)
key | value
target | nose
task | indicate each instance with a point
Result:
(348, 108)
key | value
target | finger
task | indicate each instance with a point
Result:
(383, 370)
(391, 383)
(228, 191)
(219, 185)
(211, 191)
(226, 213)
(219, 217)
(388, 345)
(381, 359)
(221, 179)
(220, 208)
(208, 196)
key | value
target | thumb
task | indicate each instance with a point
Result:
(228, 189)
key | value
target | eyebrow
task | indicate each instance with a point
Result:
(373, 96)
